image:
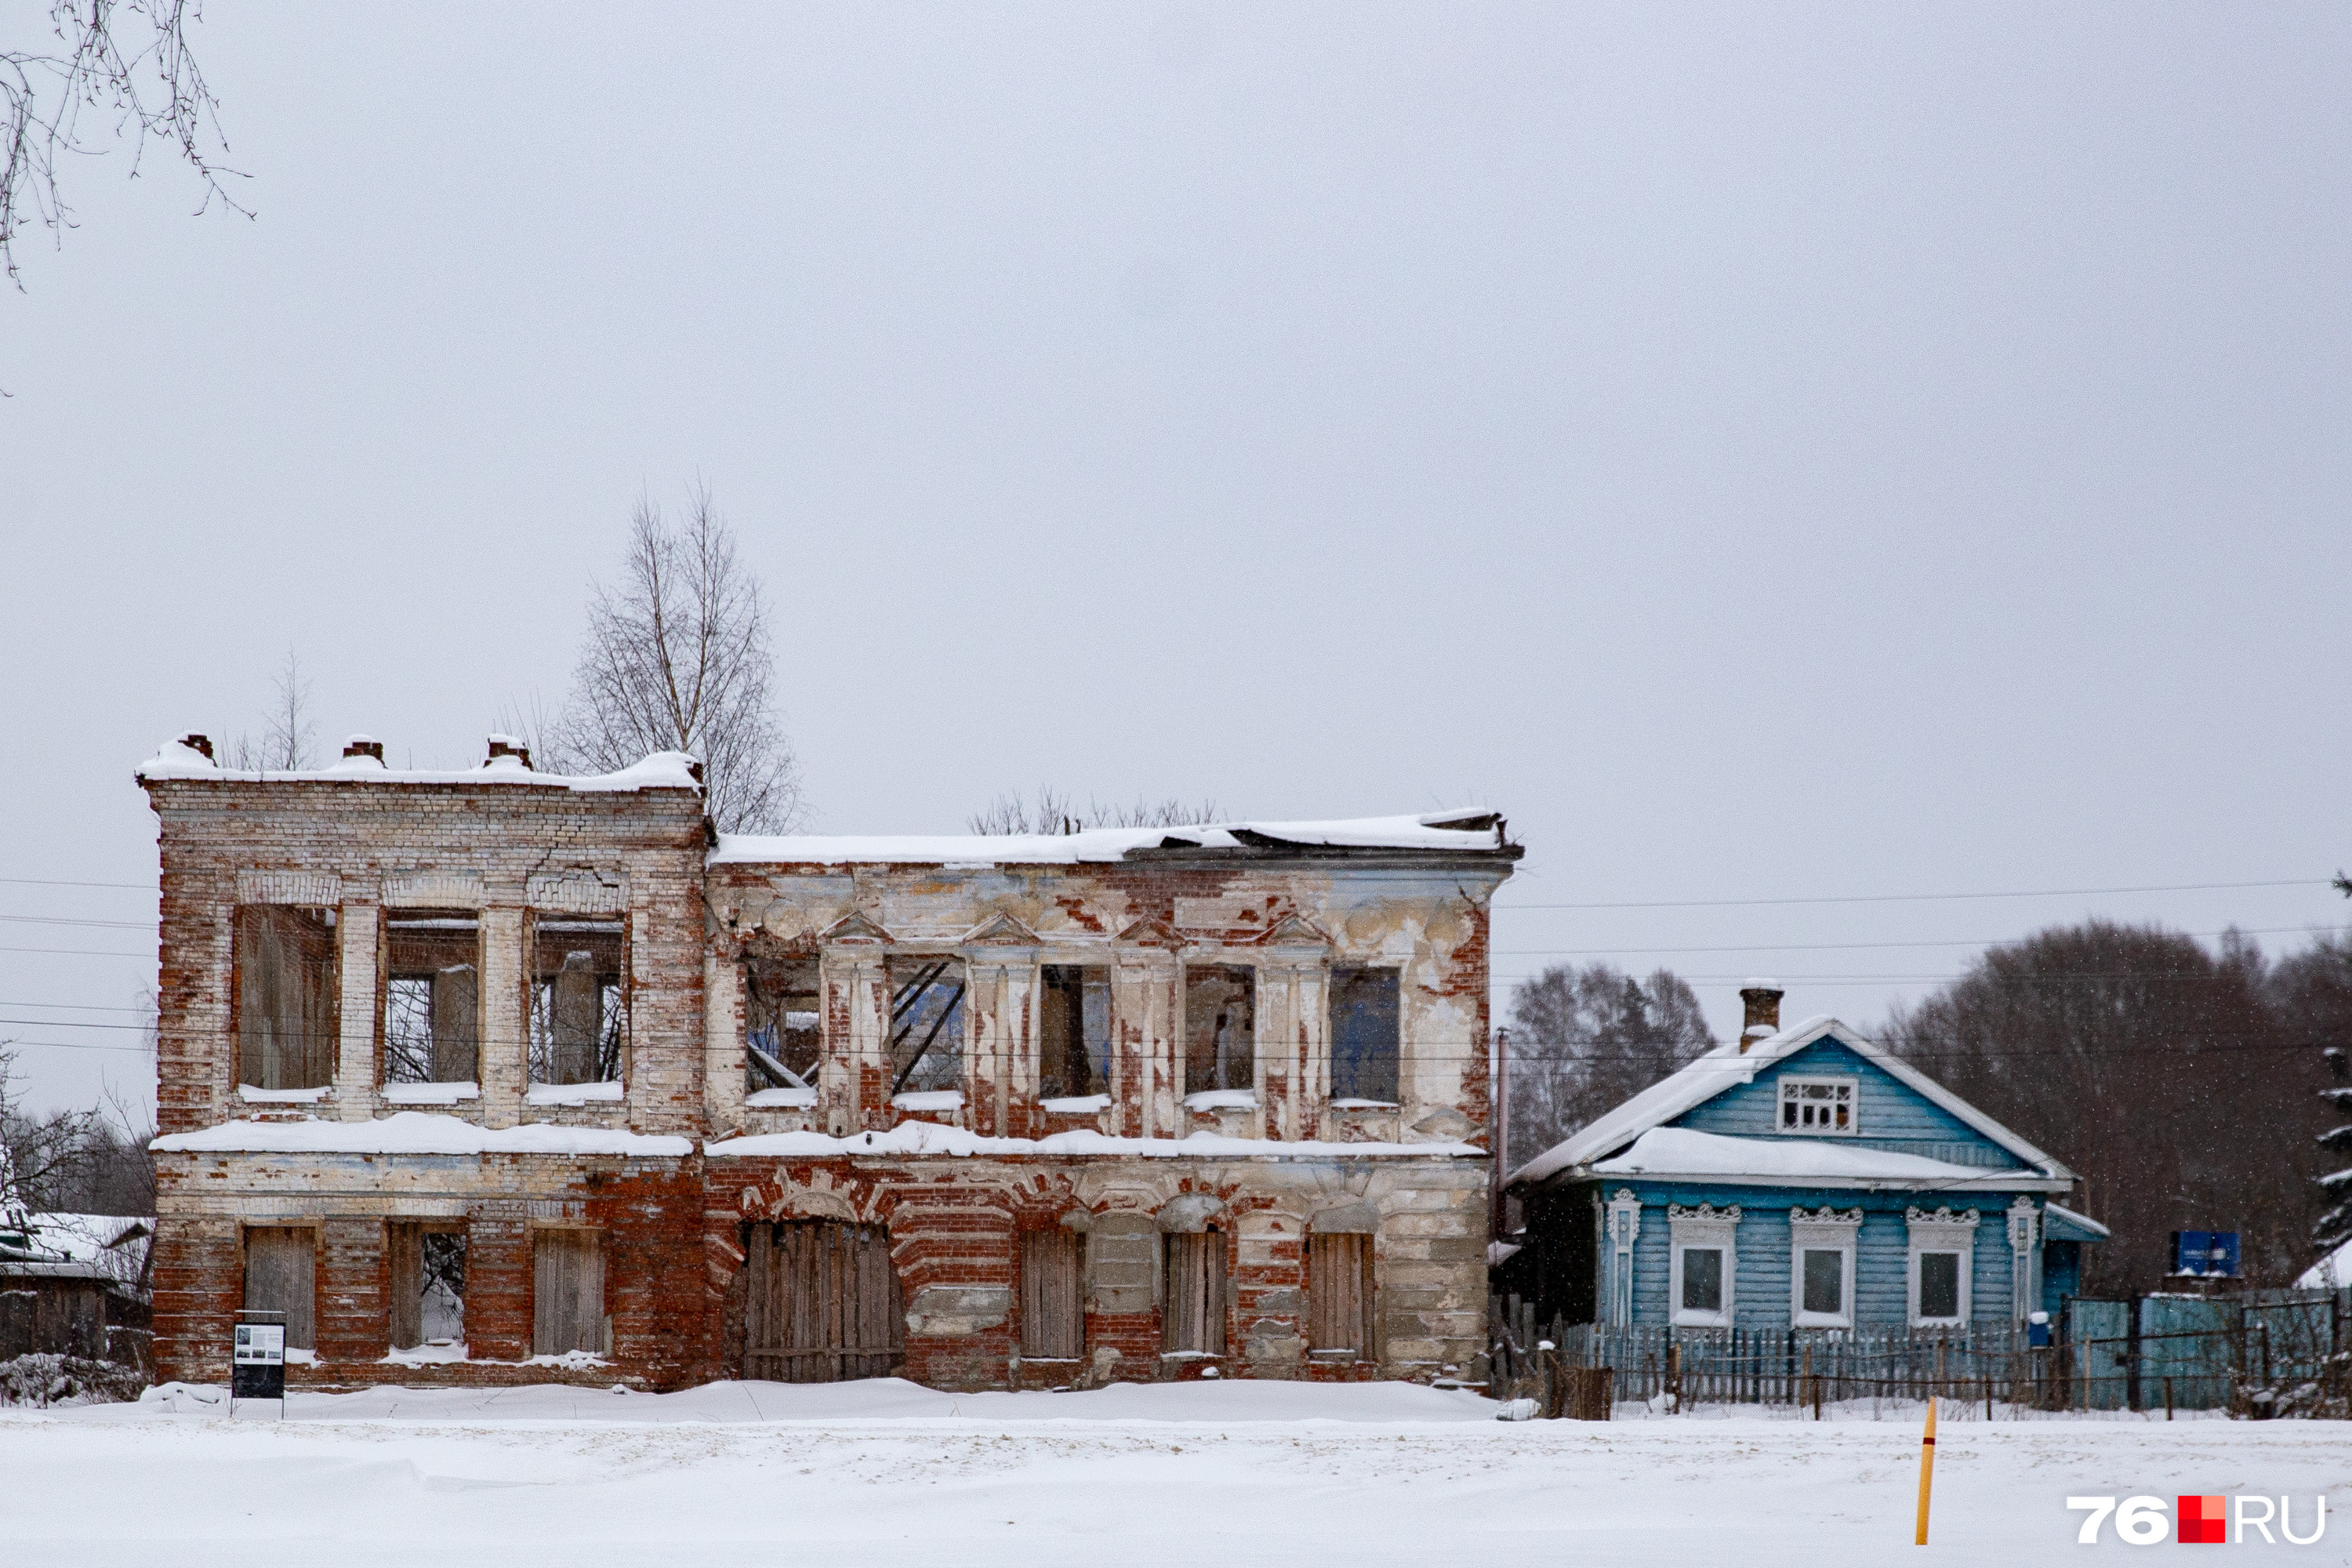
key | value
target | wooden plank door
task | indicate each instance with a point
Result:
(567, 1292)
(281, 1276)
(1340, 1292)
(1053, 1317)
(822, 1303)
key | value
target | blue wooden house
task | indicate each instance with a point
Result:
(1797, 1178)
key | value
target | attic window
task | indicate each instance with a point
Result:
(1819, 1107)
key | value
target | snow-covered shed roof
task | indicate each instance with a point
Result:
(661, 770)
(112, 1247)
(1726, 1067)
(2065, 1225)
(1453, 832)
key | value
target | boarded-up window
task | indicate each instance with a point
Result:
(822, 1303)
(1053, 1319)
(285, 1002)
(280, 1275)
(927, 1024)
(567, 1293)
(783, 1027)
(1339, 1293)
(428, 1286)
(1073, 1032)
(1220, 1028)
(1194, 1316)
(579, 999)
(432, 995)
(1364, 1035)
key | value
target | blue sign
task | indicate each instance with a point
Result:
(2208, 1254)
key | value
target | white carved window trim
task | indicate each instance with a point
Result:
(2025, 1259)
(1625, 1228)
(1825, 1231)
(1847, 1091)
(1698, 1228)
(1942, 1231)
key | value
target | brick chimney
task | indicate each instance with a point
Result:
(199, 744)
(364, 746)
(508, 746)
(1762, 1000)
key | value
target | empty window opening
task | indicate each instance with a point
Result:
(1053, 1318)
(1220, 1028)
(1074, 1035)
(1339, 1293)
(432, 995)
(428, 1286)
(281, 1276)
(1364, 1035)
(579, 1000)
(286, 996)
(822, 1303)
(927, 1024)
(1939, 1285)
(783, 1025)
(1815, 1106)
(1193, 1320)
(567, 1293)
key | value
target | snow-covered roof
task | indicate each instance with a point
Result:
(1726, 1067)
(112, 1247)
(662, 770)
(1458, 832)
(2060, 1223)
(1672, 1152)
(2333, 1272)
(415, 1132)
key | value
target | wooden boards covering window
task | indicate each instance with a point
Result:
(280, 1275)
(1339, 1293)
(822, 1303)
(1053, 1313)
(1194, 1316)
(567, 1293)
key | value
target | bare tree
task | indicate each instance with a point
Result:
(289, 731)
(1052, 811)
(676, 658)
(1585, 1038)
(125, 63)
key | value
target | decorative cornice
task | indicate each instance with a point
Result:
(853, 927)
(1827, 1216)
(1944, 1216)
(1000, 930)
(1706, 1212)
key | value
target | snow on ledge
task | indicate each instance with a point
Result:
(1101, 844)
(1076, 1105)
(930, 1099)
(661, 770)
(781, 1100)
(430, 1093)
(573, 1094)
(931, 1138)
(1222, 1100)
(252, 1095)
(414, 1132)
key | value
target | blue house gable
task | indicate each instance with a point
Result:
(1805, 1179)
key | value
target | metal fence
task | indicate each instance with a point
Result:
(2276, 1352)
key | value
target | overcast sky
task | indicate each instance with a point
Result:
(1770, 454)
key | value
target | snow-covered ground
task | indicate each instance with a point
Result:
(887, 1473)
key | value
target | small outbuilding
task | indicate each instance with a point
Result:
(74, 1284)
(1797, 1179)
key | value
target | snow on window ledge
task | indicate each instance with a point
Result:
(429, 1354)
(1222, 1100)
(929, 1100)
(781, 1100)
(1363, 1105)
(1074, 1105)
(573, 1094)
(430, 1093)
(300, 1357)
(571, 1361)
(253, 1096)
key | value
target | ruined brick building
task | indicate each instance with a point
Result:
(496, 1075)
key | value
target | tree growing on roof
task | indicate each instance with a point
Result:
(126, 65)
(1584, 1037)
(2165, 1072)
(676, 658)
(1054, 811)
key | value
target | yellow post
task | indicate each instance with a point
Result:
(1926, 1468)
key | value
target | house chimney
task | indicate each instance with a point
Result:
(1763, 999)
(199, 744)
(364, 746)
(508, 746)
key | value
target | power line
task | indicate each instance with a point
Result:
(82, 952)
(48, 882)
(1832, 946)
(1920, 898)
(65, 921)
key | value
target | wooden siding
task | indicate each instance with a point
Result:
(1890, 1113)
